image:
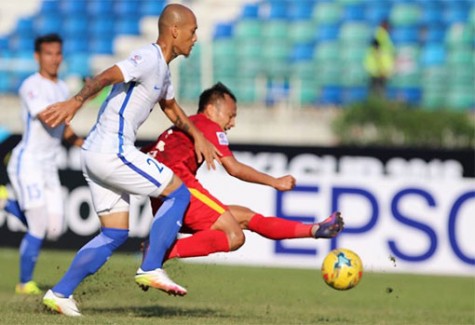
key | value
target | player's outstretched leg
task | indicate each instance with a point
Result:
(66, 306)
(330, 227)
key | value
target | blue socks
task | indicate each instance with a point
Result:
(29, 250)
(165, 226)
(90, 258)
(13, 208)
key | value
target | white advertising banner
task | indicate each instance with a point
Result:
(420, 218)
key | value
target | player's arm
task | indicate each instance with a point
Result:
(248, 174)
(71, 137)
(60, 112)
(203, 148)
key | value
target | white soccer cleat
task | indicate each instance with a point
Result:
(158, 279)
(65, 306)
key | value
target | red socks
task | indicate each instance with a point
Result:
(279, 228)
(201, 243)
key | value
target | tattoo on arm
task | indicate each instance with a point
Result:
(182, 125)
(91, 87)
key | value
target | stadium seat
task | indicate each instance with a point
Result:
(101, 45)
(73, 45)
(433, 54)
(328, 13)
(461, 98)
(459, 35)
(433, 33)
(223, 30)
(354, 94)
(330, 95)
(277, 11)
(73, 7)
(410, 95)
(151, 7)
(250, 11)
(128, 25)
(248, 29)
(275, 30)
(456, 11)
(355, 33)
(354, 12)
(101, 28)
(301, 31)
(125, 8)
(25, 26)
(325, 33)
(305, 91)
(19, 42)
(404, 14)
(100, 8)
(300, 10)
(3, 45)
(407, 34)
(377, 12)
(49, 7)
(4, 81)
(48, 23)
(75, 26)
(78, 64)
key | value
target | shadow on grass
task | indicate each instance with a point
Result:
(159, 311)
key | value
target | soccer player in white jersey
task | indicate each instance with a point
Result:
(114, 168)
(32, 169)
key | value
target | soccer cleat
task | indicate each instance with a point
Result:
(65, 306)
(158, 279)
(330, 227)
(28, 288)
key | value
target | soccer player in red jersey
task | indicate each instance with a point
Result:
(216, 227)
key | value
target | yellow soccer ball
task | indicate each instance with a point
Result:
(342, 269)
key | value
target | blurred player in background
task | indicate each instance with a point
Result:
(114, 168)
(215, 226)
(32, 167)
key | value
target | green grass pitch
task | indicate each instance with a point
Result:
(238, 295)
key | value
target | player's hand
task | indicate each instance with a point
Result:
(60, 112)
(285, 183)
(207, 151)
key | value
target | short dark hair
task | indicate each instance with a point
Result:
(211, 95)
(48, 38)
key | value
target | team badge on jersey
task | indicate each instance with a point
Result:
(136, 59)
(222, 138)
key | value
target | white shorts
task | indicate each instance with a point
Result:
(112, 177)
(36, 183)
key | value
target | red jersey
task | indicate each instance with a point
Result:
(176, 149)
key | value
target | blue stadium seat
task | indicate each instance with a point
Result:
(377, 12)
(354, 94)
(301, 9)
(456, 11)
(431, 12)
(330, 95)
(3, 45)
(151, 7)
(78, 64)
(435, 33)
(25, 26)
(128, 25)
(404, 34)
(101, 28)
(278, 10)
(101, 45)
(302, 52)
(49, 7)
(73, 7)
(327, 32)
(126, 8)
(73, 45)
(433, 54)
(18, 42)
(50, 23)
(250, 11)
(412, 95)
(354, 12)
(223, 30)
(100, 8)
(4, 81)
(75, 26)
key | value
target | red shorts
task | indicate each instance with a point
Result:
(203, 211)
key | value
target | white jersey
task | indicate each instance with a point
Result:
(146, 81)
(39, 142)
